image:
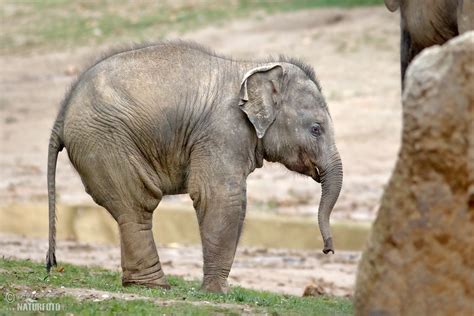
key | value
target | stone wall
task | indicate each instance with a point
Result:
(419, 259)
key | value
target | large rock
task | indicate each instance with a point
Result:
(420, 257)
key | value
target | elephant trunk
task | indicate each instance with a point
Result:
(331, 184)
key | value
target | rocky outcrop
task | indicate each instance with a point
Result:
(419, 259)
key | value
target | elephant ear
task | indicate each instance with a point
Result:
(260, 95)
(392, 5)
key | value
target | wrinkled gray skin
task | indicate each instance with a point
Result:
(174, 118)
(424, 23)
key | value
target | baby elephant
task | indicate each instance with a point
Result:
(174, 118)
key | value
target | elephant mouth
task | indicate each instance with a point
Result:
(316, 175)
(308, 166)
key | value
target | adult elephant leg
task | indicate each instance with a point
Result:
(465, 16)
(408, 51)
(140, 261)
(220, 208)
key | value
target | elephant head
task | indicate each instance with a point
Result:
(284, 103)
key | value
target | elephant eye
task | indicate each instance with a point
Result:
(316, 130)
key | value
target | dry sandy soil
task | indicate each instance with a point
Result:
(355, 55)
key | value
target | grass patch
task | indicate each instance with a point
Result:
(68, 305)
(15, 275)
(62, 24)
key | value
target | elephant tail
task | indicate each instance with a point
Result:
(55, 146)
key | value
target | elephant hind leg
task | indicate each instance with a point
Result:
(140, 261)
(119, 187)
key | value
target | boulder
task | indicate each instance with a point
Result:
(419, 259)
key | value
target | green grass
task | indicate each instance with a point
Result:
(15, 275)
(28, 26)
(70, 305)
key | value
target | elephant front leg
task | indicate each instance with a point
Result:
(221, 212)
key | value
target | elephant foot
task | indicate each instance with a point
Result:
(215, 286)
(157, 283)
(156, 279)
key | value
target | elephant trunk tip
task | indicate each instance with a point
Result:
(328, 246)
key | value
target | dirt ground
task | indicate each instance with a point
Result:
(283, 271)
(355, 55)
(82, 294)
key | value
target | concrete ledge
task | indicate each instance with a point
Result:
(177, 224)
